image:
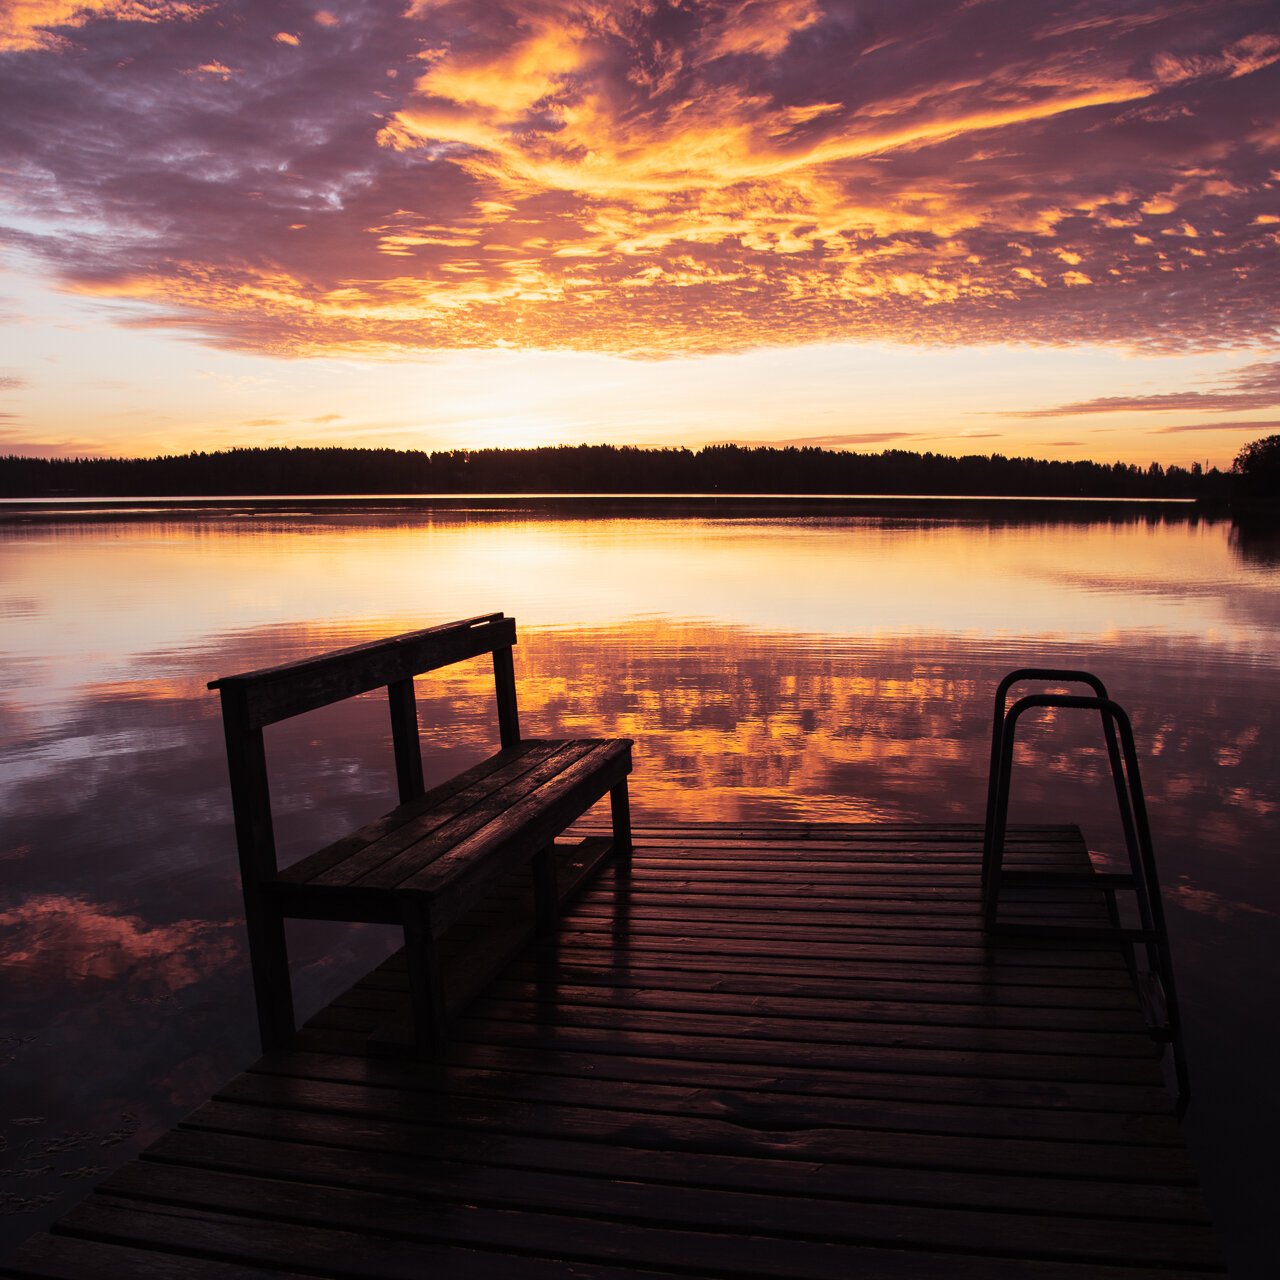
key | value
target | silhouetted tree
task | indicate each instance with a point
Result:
(577, 469)
(1257, 467)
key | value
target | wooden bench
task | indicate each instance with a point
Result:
(429, 860)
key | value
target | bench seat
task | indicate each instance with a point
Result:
(447, 846)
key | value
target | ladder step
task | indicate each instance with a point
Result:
(1073, 933)
(1069, 879)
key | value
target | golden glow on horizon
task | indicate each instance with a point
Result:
(640, 180)
(96, 388)
(356, 578)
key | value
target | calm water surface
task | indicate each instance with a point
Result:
(805, 666)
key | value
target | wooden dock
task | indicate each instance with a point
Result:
(766, 1052)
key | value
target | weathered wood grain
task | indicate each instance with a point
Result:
(713, 1070)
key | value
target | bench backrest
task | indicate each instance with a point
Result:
(254, 699)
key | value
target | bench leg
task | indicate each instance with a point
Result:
(546, 894)
(620, 809)
(426, 986)
(269, 960)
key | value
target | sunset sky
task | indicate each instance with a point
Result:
(971, 227)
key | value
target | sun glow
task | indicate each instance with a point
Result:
(653, 182)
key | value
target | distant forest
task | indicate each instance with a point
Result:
(594, 469)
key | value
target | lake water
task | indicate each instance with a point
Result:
(774, 661)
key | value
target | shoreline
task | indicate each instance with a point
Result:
(729, 505)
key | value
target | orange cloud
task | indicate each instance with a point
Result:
(663, 180)
(35, 24)
(218, 70)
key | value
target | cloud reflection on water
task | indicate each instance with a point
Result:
(127, 990)
(57, 940)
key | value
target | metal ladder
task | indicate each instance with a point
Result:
(1153, 983)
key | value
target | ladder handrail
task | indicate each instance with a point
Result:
(1137, 827)
(1049, 675)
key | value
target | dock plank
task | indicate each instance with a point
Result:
(752, 1051)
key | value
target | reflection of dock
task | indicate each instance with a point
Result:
(776, 1051)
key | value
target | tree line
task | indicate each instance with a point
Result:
(602, 468)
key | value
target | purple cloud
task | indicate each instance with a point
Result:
(651, 179)
(1272, 425)
(1256, 386)
(44, 449)
(843, 441)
